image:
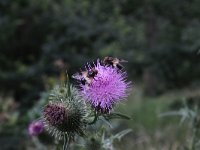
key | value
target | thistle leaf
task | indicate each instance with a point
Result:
(122, 134)
(116, 115)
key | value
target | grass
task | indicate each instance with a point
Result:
(149, 130)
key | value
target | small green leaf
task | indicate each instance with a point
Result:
(116, 115)
(68, 85)
(122, 134)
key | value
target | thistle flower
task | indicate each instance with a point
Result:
(108, 87)
(65, 113)
(35, 128)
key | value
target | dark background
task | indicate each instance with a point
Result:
(40, 40)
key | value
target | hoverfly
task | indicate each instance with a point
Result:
(114, 62)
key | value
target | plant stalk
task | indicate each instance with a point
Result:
(66, 142)
(95, 118)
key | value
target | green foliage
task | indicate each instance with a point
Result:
(189, 116)
(101, 141)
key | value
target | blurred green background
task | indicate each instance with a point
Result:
(40, 40)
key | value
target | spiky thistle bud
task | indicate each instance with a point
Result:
(65, 113)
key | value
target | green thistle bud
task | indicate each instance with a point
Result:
(65, 113)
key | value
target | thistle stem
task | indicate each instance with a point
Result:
(66, 142)
(95, 118)
(195, 130)
(68, 86)
(193, 139)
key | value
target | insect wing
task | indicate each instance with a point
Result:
(123, 61)
(77, 76)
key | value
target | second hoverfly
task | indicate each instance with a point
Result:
(114, 62)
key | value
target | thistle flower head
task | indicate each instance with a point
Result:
(65, 113)
(35, 128)
(108, 87)
(56, 115)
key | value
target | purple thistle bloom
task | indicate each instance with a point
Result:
(35, 128)
(108, 87)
